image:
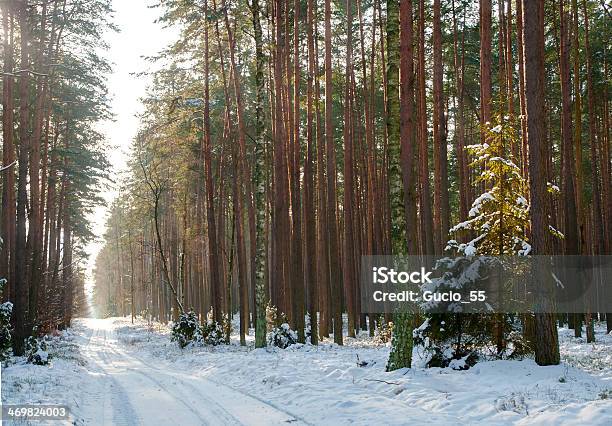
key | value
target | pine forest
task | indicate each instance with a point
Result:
(274, 146)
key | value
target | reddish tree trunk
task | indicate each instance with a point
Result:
(21, 317)
(332, 218)
(485, 63)
(547, 343)
(441, 202)
(349, 165)
(427, 233)
(310, 277)
(407, 124)
(8, 224)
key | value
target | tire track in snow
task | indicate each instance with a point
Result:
(136, 392)
(176, 395)
(164, 398)
(130, 380)
(112, 404)
(186, 380)
(148, 371)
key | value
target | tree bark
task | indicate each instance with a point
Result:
(213, 259)
(8, 224)
(441, 201)
(349, 184)
(280, 218)
(21, 314)
(332, 218)
(34, 241)
(547, 343)
(427, 233)
(296, 208)
(522, 103)
(578, 129)
(309, 183)
(462, 161)
(394, 174)
(401, 352)
(569, 197)
(322, 241)
(242, 179)
(260, 187)
(485, 65)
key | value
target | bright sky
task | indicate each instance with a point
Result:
(139, 36)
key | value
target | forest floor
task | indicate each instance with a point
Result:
(113, 372)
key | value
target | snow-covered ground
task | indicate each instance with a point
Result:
(112, 372)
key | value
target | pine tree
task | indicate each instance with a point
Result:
(402, 344)
(546, 338)
(335, 277)
(499, 217)
(499, 220)
(396, 193)
(258, 178)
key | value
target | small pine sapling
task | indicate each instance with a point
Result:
(282, 336)
(187, 331)
(36, 349)
(499, 217)
(497, 226)
(213, 332)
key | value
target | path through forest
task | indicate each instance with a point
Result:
(115, 372)
(131, 390)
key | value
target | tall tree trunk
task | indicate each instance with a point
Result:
(280, 218)
(398, 219)
(408, 125)
(332, 218)
(485, 64)
(369, 166)
(501, 56)
(605, 166)
(578, 129)
(569, 198)
(213, 253)
(462, 166)
(349, 184)
(441, 202)
(296, 208)
(34, 230)
(21, 317)
(322, 240)
(8, 225)
(238, 225)
(598, 226)
(260, 187)
(510, 69)
(425, 201)
(401, 352)
(309, 183)
(243, 178)
(571, 241)
(521, 68)
(67, 268)
(599, 206)
(547, 342)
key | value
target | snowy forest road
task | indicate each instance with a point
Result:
(132, 391)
